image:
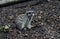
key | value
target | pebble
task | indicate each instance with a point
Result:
(42, 23)
(25, 35)
(49, 0)
(41, 11)
(53, 9)
(11, 17)
(39, 17)
(59, 17)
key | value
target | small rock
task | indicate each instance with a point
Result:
(26, 35)
(39, 17)
(59, 17)
(41, 11)
(10, 30)
(53, 9)
(49, 0)
(42, 23)
(11, 17)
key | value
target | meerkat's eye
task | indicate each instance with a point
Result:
(29, 13)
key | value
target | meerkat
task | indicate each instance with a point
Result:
(23, 21)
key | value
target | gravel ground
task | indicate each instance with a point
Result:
(46, 21)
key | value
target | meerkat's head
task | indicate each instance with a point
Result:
(30, 13)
